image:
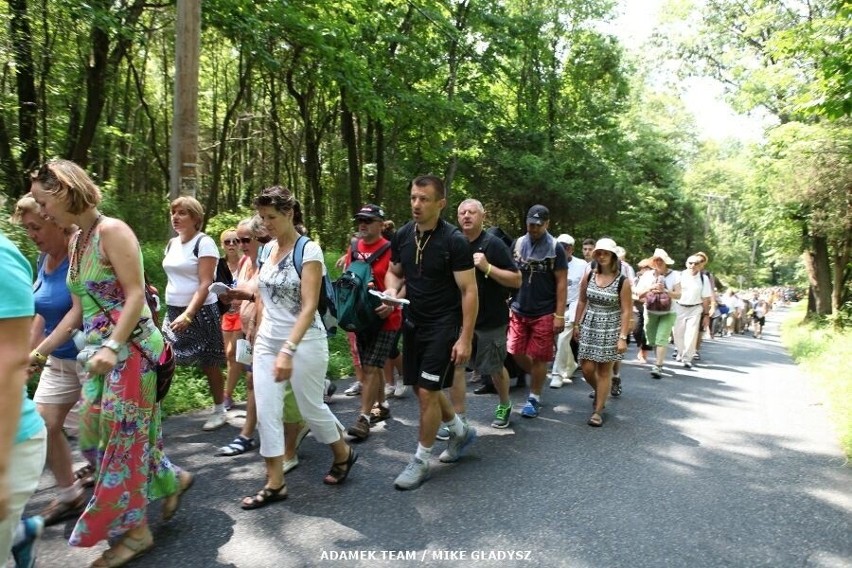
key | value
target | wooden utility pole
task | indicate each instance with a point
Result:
(184, 161)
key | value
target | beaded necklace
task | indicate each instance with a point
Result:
(80, 246)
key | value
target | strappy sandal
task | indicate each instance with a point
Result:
(595, 420)
(85, 475)
(136, 546)
(264, 497)
(172, 503)
(240, 445)
(337, 474)
(59, 511)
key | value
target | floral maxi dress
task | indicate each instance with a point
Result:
(120, 427)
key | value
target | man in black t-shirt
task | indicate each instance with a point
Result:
(535, 320)
(431, 258)
(495, 274)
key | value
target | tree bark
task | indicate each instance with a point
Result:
(819, 275)
(350, 139)
(27, 97)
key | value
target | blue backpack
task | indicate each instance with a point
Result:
(327, 306)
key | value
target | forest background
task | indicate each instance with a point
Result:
(513, 102)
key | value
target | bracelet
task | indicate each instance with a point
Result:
(187, 317)
(113, 345)
(488, 272)
(558, 316)
(286, 351)
(622, 338)
(40, 359)
(290, 346)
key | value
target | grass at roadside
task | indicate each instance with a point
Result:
(826, 353)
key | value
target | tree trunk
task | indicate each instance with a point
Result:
(27, 98)
(819, 275)
(347, 131)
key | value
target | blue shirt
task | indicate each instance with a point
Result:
(52, 302)
(17, 294)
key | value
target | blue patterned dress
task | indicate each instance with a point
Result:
(601, 323)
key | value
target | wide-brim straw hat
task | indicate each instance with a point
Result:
(661, 254)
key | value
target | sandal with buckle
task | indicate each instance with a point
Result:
(59, 511)
(85, 475)
(137, 547)
(264, 497)
(240, 445)
(595, 420)
(337, 474)
(172, 503)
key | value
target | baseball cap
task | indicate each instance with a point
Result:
(371, 212)
(537, 215)
(565, 239)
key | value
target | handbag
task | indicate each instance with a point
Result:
(165, 367)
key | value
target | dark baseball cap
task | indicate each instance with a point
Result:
(537, 215)
(370, 212)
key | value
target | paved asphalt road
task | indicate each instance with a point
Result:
(731, 464)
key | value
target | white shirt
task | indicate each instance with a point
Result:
(693, 288)
(181, 266)
(576, 270)
(281, 292)
(650, 278)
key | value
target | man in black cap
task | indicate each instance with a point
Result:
(538, 309)
(374, 344)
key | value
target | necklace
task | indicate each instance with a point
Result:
(421, 245)
(80, 246)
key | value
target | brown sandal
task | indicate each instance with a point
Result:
(59, 511)
(337, 474)
(595, 420)
(264, 497)
(85, 475)
(137, 547)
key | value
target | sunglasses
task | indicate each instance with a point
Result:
(229, 242)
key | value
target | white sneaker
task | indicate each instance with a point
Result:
(216, 421)
(400, 390)
(353, 390)
(414, 474)
(389, 390)
(556, 381)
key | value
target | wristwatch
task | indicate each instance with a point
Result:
(624, 337)
(112, 345)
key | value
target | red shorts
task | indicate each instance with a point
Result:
(531, 336)
(231, 321)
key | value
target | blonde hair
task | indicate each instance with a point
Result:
(193, 207)
(25, 205)
(64, 178)
(225, 232)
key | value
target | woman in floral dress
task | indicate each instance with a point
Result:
(603, 320)
(120, 429)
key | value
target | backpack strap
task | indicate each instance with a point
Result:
(262, 255)
(378, 253)
(198, 243)
(298, 254)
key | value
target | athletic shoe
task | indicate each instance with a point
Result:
(228, 403)
(687, 365)
(361, 428)
(290, 465)
(389, 390)
(330, 389)
(379, 413)
(556, 381)
(531, 408)
(657, 372)
(615, 389)
(354, 389)
(24, 552)
(443, 433)
(400, 389)
(501, 415)
(414, 474)
(697, 356)
(674, 355)
(458, 444)
(216, 421)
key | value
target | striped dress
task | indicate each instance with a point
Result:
(601, 323)
(120, 429)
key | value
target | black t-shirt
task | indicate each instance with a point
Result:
(428, 262)
(493, 310)
(537, 294)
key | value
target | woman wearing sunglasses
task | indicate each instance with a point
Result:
(231, 330)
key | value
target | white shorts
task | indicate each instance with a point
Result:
(60, 382)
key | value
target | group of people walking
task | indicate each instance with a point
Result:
(471, 298)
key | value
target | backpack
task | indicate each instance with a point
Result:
(356, 307)
(222, 273)
(327, 305)
(621, 279)
(658, 301)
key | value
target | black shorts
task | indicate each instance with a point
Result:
(426, 356)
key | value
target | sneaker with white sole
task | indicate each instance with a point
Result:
(354, 389)
(556, 381)
(458, 444)
(414, 474)
(389, 390)
(400, 389)
(361, 428)
(501, 415)
(443, 433)
(330, 389)
(657, 372)
(216, 421)
(531, 408)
